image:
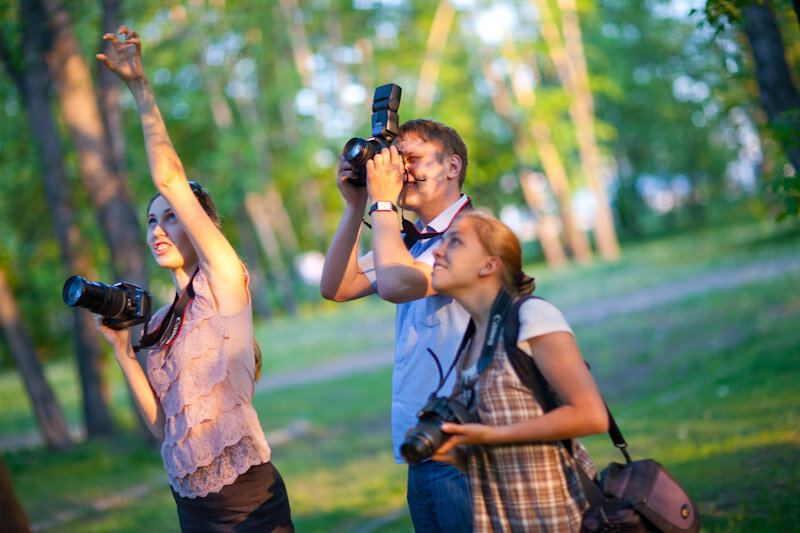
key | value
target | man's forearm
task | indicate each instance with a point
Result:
(400, 277)
(341, 261)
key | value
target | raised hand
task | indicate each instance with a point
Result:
(127, 60)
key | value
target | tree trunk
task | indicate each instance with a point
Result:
(254, 203)
(14, 518)
(223, 118)
(429, 72)
(34, 91)
(110, 197)
(567, 55)
(272, 223)
(111, 113)
(48, 412)
(258, 288)
(576, 239)
(779, 96)
(548, 228)
(109, 89)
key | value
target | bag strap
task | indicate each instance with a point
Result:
(532, 377)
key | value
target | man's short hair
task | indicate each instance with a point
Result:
(446, 137)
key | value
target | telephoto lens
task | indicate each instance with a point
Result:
(105, 300)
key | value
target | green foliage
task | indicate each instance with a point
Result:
(787, 189)
(236, 59)
(720, 13)
(781, 186)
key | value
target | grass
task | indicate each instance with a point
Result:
(704, 383)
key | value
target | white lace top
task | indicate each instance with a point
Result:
(204, 382)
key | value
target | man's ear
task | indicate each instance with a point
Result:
(491, 266)
(454, 164)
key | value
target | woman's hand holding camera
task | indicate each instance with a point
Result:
(456, 455)
(119, 339)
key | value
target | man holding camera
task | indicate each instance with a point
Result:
(423, 173)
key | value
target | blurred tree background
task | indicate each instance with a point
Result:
(589, 124)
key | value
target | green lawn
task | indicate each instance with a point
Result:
(705, 383)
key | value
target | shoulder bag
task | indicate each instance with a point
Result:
(634, 496)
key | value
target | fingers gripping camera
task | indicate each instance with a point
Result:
(385, 128)
(427, 436)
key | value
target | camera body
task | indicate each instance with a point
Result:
(385, 128)
(426, 437)
(122, 305)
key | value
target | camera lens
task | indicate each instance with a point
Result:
(423, 441)
(98, 298)
(358, 151)
(73, 290)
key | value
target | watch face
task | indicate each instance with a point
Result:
(383, 206)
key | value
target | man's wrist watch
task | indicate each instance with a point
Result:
(382, 206)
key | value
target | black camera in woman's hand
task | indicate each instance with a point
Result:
(427, 436)
(122, 305)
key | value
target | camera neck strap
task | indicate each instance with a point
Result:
(170, 326)
(411, 234)
(497, 317)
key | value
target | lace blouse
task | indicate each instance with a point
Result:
(204, 382)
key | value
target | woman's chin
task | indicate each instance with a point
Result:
(440, 286)
(165, 262)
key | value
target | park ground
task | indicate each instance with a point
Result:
(693, 340)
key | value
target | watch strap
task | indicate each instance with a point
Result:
(382, 206)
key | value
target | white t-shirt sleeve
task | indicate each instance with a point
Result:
(367, 265)
(539, 317)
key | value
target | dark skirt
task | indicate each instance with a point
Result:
(256, 501)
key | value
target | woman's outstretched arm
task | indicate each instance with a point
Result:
(217, 257)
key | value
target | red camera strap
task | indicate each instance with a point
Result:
(172, 322)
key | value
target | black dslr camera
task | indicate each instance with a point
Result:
(385, 127)
(123, 305)
(426, 437)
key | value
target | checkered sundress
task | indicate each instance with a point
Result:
(521, 487)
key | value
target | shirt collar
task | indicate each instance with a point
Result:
(443, 220)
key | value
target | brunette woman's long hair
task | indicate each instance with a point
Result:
(208, 206)
(499, 241)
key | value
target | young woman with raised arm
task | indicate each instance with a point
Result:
(196, 394)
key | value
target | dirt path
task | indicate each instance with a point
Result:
(590, 312)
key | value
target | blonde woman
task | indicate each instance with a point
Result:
(521, 475)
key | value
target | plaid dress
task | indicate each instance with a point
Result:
(520, 486)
